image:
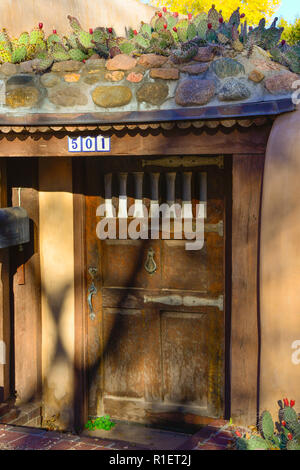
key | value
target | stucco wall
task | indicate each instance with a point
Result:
(280, 266)
(23, 15)
(57, 276)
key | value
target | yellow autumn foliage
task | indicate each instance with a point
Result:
(253, 9)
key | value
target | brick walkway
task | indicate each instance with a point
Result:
(216, 436)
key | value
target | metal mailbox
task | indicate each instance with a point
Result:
(14, 227)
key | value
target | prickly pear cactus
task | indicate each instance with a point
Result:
(266, 425)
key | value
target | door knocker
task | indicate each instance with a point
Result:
(92, 291)
(150, 264)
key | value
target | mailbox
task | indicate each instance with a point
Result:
(14, 227)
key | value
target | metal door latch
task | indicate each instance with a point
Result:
(150, 264)
(92, 291)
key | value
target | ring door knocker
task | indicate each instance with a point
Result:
(150, 264)
(92, 291)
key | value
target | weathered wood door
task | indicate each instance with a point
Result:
(156, 310)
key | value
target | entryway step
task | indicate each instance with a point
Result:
(142, 435)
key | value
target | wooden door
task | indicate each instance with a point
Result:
(156, 310)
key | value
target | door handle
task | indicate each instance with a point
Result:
(92, 291)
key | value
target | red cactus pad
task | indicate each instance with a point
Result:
(175, 29)
(54, 31)
(165, 10)
(283, 423)
(41, 25)
(175, 14)
(238, 434)
(91, 30)
(190, 16)
(165, 25)
(250, 28)
(290, 436)
(110, 30)
(283, 42)
(221, 20)
(160, 14)
(83, 61)
(292, 403)
(135, 32)
(242, 15)
(209, 26)
(286, 402)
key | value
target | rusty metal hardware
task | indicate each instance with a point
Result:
(92, 291)
(150, 264)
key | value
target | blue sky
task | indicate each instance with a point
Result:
(290, 9)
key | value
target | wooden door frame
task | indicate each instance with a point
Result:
(241, 253)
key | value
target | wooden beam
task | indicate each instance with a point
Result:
(4, 301)
(80, 351)
(175, 142)
(25, 265)
(247, 175)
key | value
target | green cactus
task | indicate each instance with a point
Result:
(191, 31)
(159, 24)
(85, 39)
(77, 54)
(146, 29)
(127, 47)
(74, 23)
(142, 41)
(171, 21)
(185, 54)
(52, 39)
(182, 28)
(235, 18)
(202, 28)
(19, 55)
(24, 39)
(213, 17)
(293, 444)
(35, 36)
(202, 17)
(211, 36)
(59, 53)
(266, 425)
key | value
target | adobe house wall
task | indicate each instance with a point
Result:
(23, 15)
(57, 280)
(280, 266)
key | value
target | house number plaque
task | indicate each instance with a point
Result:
(89, 144)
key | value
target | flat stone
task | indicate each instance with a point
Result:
(93, 78)
(115, 76)
(67, 66)
(205, 54)
(67, 95)
(194, 69)
(165, 73)
(151, 61)
(95, 57)
(281, 83)
(111, 96)
(226, 67)
(72, 77)
(24, 96)
(266, 65)
(49, 80)
(29, 66)
(121, 62)
(134, 77)
(9, 69)
(194, 92)
(256, 76)
(153, 93)
(234, 90)
(94, 64)
(20, 80)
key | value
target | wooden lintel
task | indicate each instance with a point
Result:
(150, 142)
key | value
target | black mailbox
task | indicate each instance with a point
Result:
(14, 227)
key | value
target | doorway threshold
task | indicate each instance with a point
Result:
(151, 438)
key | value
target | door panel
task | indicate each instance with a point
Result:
(158, 328)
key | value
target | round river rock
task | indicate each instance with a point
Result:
(194, 92)
(153, 93)
(111, 96)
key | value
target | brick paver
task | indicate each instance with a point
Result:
(216, 436)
